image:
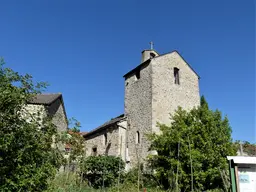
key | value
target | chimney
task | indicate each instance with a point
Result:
(148, 54)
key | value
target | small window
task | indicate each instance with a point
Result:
(176, 76)
(105, 139)
(152, 55)
(94, 151)
(137, 137)
(137, 74)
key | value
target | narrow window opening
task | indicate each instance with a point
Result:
(94, 151)
(176, 76)
(137, 74)
(105, 139)
(152, 55)
(137, 137)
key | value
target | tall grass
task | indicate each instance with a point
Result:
(71, 182)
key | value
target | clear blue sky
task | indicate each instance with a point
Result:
(83, 48)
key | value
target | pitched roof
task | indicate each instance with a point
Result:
(45, 99)
(182, 59)
(105, 125)
(83, 133)
(77, 133)
(48, 99)
(148, 61)
(139, 66)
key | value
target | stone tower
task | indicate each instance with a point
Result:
(153, 91)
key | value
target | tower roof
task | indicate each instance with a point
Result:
(148, 61)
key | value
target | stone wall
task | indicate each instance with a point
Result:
(166, 95)
(37, 111)
(111, 147)
(122, 139)
(57, 111)
(138, 110)
(152, 97)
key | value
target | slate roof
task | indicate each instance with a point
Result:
(106, 124)
(45, 99)
(48, 99)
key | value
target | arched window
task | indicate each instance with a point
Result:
(105, 139)
(137, 137)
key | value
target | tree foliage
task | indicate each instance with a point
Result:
(247, 147)
(192, 150)
(102, 171)
(27, 159)
(73, 140)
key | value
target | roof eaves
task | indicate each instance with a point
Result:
(139, 66)
(62, 102)
(36, 102)
(150, 50)
(59, 96)
(105, 125)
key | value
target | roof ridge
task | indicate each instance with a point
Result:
(59, 93)
(45, 99)
(106, 124)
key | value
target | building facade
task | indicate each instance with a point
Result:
(153, 90)
(43, 105)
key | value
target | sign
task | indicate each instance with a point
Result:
(247, 180)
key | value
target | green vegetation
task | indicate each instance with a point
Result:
(247, 147)
(27, 159)
(71, 182)
(102, 171)
(74, 141)
(192, 150)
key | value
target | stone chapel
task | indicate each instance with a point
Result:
(153, 90)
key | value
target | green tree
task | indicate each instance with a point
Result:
(74, 142)
(27, 158)
(102, 171)
(192, 150)
(247, 147)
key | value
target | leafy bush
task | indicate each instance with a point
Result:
(71, 182)
(67, 181)
(145, 179)
(193, 150)
(27, 159)
(102, 171)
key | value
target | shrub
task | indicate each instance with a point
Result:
(27, 159)
(193, 150)
(145, 179)
(102, 171)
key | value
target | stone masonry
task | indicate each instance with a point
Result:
(48, 105)
(151, 95)
(109, 139)
(166, 95)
